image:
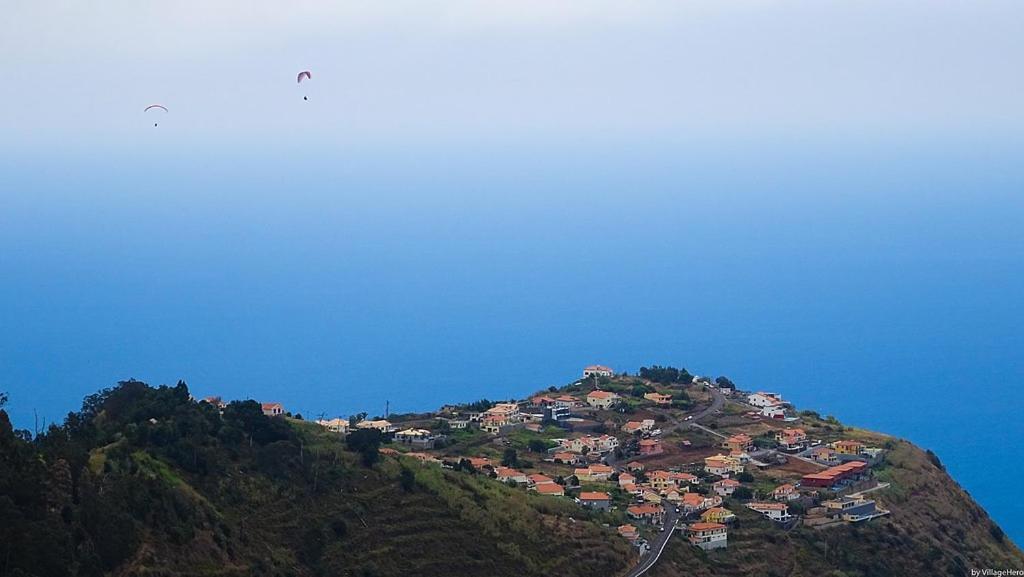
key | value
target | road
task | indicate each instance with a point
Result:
(877, 487)
(671, 517)
(657, 545)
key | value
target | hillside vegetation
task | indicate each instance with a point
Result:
(145, 481)
(935, 529)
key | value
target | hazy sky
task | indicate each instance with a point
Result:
(80, 72)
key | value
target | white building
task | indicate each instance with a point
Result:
(765, 399)
(602, 399)
(381, 425)
(334, 425)
(597, 371)
(775, 511)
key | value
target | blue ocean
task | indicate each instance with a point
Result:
(880, 282)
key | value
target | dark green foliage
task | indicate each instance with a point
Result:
(745, 477)
(725, 383)
(366, 442)
(407, 479)
(743, 493)
(510, 458)
(666, 375)
(935, 460)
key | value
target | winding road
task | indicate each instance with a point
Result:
(657, 546)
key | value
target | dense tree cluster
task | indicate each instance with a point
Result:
(666, 375)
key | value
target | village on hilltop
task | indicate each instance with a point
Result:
(651, 453)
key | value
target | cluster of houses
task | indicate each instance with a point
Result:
(847, 461)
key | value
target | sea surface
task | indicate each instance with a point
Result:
(879, 281)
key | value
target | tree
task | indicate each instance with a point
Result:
(538, 446)
(510, 458)
(366, 442)
(725, 383)
(407, 479)
(743, 493)
(745, 477)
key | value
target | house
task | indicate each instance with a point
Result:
(625, 478)
(597, 371)
(633, 489)
(773, 412)
(381, 425)
(602, 399)
(674, 496)
(853, 510)
(635, 466)
(568, 458)
(272, 409)
(683, 478)
(629, 532)
(708, 536)
(538, 479)
(651, 496)
(644, 426)
(660, 480)
(542, 401)
(556, 413)
(506, 474)
(739, 443)
(650, 447)
(595, 472)
(658, 398)
(552, 489)
(725, 487)
(838, 475)
(457, 424)
(717, 515)
(791, 439)
(334, 425)
(602, 444)
(775, 511)
(695, 502)
(567, 401)
(416, 438)
(824, 455)
(785, 492)
(596, 500)
(648, 512)
(763, 399)
(847, 447)
(723, 465)
(480, 462)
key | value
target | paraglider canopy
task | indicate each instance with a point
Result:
(305, 74)
(156, 106)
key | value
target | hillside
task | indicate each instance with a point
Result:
(147, 481)
(935, 529)
(144, 481)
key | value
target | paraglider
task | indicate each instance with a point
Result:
(304, 75)
(156, 106)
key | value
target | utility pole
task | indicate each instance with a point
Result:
(387, 409)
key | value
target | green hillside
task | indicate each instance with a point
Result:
(144, 481)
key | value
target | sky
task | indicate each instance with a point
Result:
(79, 73)
(821, 198)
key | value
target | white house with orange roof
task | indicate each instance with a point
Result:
(791, 439)
(723, 465)
(597, 371)
(602, 399)
(725, 487)
(272, 409)
(382, 425)
(552, 489)
(695, 502)
(629, 532)
(763, 399)
(785, 492)
(505, 474)
(648, 512)
(708, 536)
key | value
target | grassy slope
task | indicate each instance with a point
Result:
(935, 529)
(360, 521)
